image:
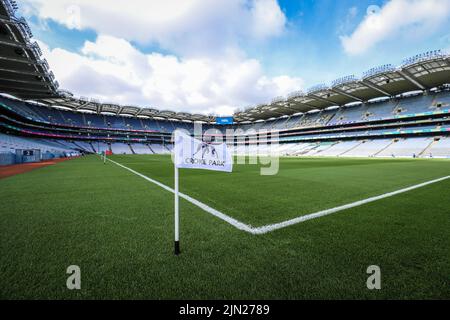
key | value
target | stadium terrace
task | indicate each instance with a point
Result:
(362, 179)
(389, 111)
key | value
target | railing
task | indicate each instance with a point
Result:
(36, 49)
(11, 7)
(65, 93)
(343, 80)
(83, 99)
(24, 28)
(378, 70)
(429, 55)
(278, 99)
(318, 87)
(295, 94)
(44, 65)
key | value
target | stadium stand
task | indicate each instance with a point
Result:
(346, 115)
(100, 147)
(388, 112)
(48, 149)
(141, 149)
(438, 149)
(411, 147)
(341, 148)
(367, 148)
(159, 149)
(302, 149)
(320, 149)
(296, 148)
(9, 143)
(120, 148)
(84, 146)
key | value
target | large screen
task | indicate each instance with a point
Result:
(224, 120)
(28, 152)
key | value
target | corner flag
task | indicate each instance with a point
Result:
(192, 153)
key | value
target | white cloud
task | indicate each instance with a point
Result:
(185, 27)
(267, 19)
(411, 18)
(348, 21)
(207, 72)
(111, 69)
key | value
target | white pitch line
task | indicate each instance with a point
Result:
(214, 212)
(271, 227)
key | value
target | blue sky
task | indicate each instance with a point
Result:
(218, 56)
(312, 48)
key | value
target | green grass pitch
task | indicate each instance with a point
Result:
(118, 228)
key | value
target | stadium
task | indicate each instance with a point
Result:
(362, 179)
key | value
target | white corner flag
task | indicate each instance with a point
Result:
(192, 153)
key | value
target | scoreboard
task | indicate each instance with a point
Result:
(28, 152)
(28, 155)
(224, 120)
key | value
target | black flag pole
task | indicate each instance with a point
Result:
(177, 214)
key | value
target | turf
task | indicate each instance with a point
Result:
(301, 186)
(118, 228)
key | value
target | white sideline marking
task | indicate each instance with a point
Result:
(271, 227)
(214, 212)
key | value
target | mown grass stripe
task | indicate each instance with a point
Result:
(271, 227)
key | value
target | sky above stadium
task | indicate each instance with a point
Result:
(218, 56)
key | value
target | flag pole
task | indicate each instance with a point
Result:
(177, 216)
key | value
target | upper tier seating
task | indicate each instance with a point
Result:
(279, 124)
(379, 111)
(291, 122)
(388, 108)
(134, 123)
(95, 120)
(348, 114)
(413, 105)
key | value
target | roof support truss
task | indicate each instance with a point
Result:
(411, 79)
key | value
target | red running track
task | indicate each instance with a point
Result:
(11, 170)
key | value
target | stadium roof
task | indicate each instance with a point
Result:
(421, 72)
(22, 71)
(26, 75)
